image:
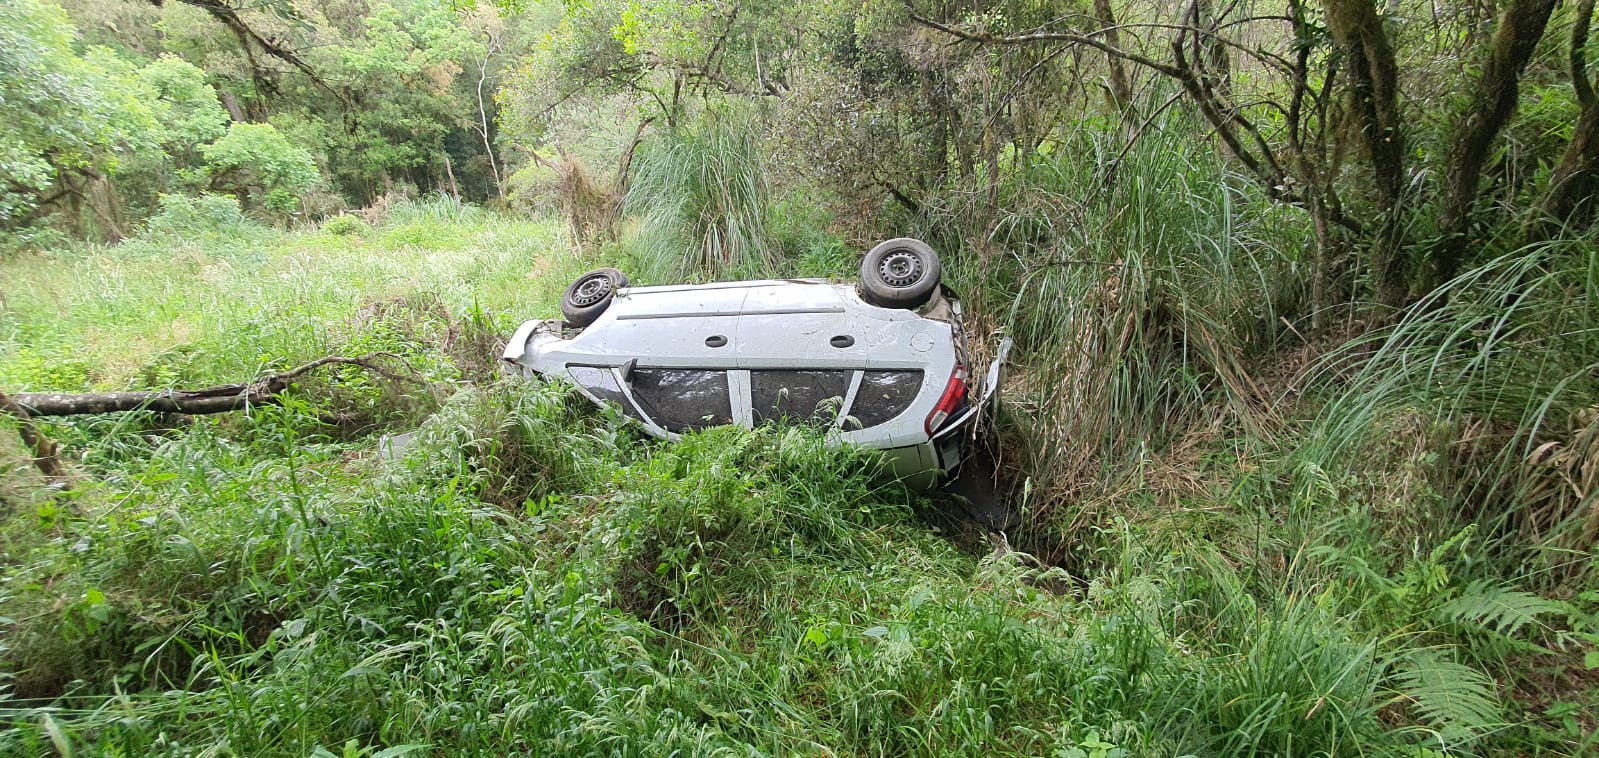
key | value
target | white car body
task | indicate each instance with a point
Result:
(663, 352)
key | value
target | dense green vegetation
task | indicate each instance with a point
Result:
(1303, 415)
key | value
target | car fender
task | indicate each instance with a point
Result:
(517, 346)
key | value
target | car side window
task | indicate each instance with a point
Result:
(882, 397)
(601, 383)
(812, 398)
(682, 399)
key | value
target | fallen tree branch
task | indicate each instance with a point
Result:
(219, 399)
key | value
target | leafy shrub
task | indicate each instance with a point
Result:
(345, 225)
(29, 368)
(204, 215)
(255, 159)
(185, 104)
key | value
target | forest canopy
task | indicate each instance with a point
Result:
(1405, 133)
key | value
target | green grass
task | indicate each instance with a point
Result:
(1142, 286)
(701, 195)
(533, 576)
(174, 310)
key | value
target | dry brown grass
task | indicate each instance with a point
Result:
(589, 205)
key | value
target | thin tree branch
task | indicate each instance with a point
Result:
(219, 399)
(1037, 37)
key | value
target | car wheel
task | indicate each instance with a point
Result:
(899, 273)
(587, 297)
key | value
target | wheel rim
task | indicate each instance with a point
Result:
(591, 290)
(901, 269)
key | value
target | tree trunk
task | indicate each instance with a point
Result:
(1576, 177)
(483, 128)
(231, 103)
(44, 449)
(1217, 63)
(1121, 87)
(1493, 104)
(102, 199)
(219, 399)
(210, 400)
(1374, 99)
(449, 173)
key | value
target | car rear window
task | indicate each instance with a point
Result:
(805, 397)
(884, 395)
(683, 399)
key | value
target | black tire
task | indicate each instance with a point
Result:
(589, 295)
(899, 273)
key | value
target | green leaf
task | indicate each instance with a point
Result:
(1458, 700)
(399, 750)
(816, 636)
(1499, 607)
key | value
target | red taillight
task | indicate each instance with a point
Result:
(950, 401)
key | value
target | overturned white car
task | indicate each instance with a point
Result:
(881, 363)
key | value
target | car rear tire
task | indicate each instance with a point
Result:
(589, 295)
(899, 273)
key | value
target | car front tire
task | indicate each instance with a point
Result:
(589, 295)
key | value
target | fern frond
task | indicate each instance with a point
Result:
(1498, 607)
(1455, 700)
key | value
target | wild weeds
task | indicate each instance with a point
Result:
(1498, 364)
(701, 196)
(1140, 299)
(533, 575)
(642, 597)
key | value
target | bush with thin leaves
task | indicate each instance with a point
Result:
(701, 198)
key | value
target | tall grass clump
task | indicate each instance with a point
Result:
(433, 208)
(1494, 379)
(700, 195)
(1138, 282)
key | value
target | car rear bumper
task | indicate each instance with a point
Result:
(924, 466)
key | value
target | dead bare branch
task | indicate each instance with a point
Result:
(219, 399)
